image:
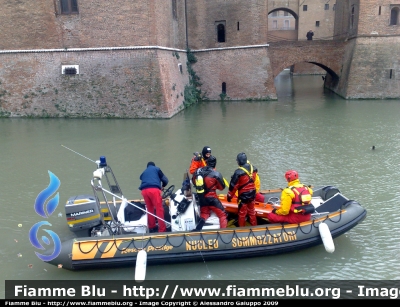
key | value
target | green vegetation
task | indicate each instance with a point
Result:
(224, 97)
(192, 92)
(176, 54)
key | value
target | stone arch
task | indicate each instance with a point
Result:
(325, 54)
(285, 9)
(277, 35)
(334, 77)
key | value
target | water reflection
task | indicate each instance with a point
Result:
(326, 138)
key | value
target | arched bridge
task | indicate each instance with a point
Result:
(325, 54)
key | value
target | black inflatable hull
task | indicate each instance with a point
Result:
(220, 244)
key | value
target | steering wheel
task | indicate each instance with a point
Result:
(168, 192)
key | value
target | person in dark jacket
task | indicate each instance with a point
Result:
(153, 180)
(207, 180)
(309, 35)
(243, 181)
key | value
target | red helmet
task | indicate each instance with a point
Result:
(291, 175)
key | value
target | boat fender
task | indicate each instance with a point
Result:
(141, 263)
(326, 237)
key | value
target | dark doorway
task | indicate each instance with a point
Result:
(221, 33)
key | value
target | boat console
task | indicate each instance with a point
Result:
(185, 213)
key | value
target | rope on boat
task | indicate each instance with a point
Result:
(205, 242)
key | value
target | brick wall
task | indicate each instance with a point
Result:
(39, 24)
(203, 15)
(368, 65)
(375, 18)
(246, 72)
(371, 67)
(121, 83)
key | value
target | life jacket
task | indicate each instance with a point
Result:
(250, 174)
(199, 184)
(302, 196)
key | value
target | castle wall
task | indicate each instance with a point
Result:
(371, 67)
(39, 24)
(127, 83)
(373, 71)
(143, 83)
(375, 18)
(205, 15)
(246, 72)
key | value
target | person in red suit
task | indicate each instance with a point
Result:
(243, 181)
(207, 181)
(296, 194)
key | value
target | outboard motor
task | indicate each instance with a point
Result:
(82, 213)
(182, 212)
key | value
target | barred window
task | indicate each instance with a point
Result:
(69, 6)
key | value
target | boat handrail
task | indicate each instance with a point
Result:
(122, 198)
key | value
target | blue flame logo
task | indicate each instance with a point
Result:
(45, 211)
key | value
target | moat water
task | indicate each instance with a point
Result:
(326, 138)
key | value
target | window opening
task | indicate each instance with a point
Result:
(287, 25)
(326, 6)
(334, 7)
(394, 15)
(275, 24)
(69, 6)
(238, 25)
(304, 7)
(317, 23)
(223, 88)
(274, 14)
(379, 12)
(70, 69)
(221, 33)
(174, 11)
(285, 13)
(390, 73)
(352, 17)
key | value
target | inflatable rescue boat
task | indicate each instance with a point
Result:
(110, 230)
